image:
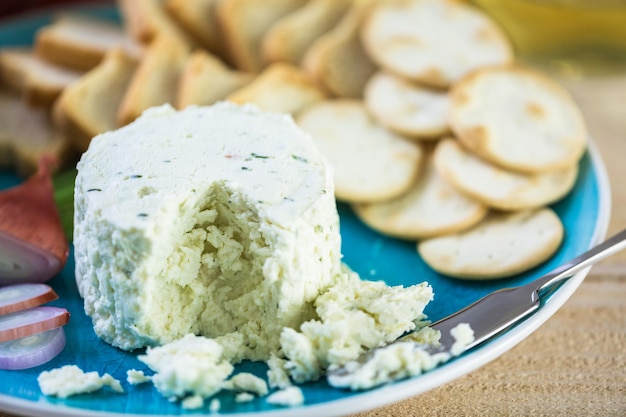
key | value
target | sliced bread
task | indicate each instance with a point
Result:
(156, 79)
(337, 59)
(145, 20)
(89, 106)
(244, 24)
(199, 19)
(26, 134)
(39, 81)
(290, 37)
(206, 80)
(281, 88)
(80, 42)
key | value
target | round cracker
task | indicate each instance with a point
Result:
(518, 118)
(502, 245)
(433, 41)
(410, 109)
(431, 207)
(371, 163)
(497, 187)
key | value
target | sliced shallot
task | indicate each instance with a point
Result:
(22, 296)
(32, 321)
(33, 247)
(30, 351)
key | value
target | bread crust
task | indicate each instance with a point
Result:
(79, 42)
(281, 88)
(206, 80)
(290, 37)
(155, 80)
(89, 106)
(337, 59)
(244, 24)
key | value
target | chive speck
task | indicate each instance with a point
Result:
(300, 159)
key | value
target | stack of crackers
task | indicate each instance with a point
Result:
(436, 134)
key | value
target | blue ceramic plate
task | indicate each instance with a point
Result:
(584, 212)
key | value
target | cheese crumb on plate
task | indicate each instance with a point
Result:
(70, 380)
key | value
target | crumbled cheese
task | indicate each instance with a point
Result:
(193, 402)
(354, 316)
(399, 360)
(244, 397)
(289, 397)
(215, 405)
(135, 377)
(71, 380)
(247, 382)
(276, 373)
(463, 336)
(396, 361)
(192, 365)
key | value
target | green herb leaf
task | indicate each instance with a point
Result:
(63, 184)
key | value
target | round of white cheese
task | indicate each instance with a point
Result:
(211, 220)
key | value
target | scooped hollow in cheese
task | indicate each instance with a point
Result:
(211, 220)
